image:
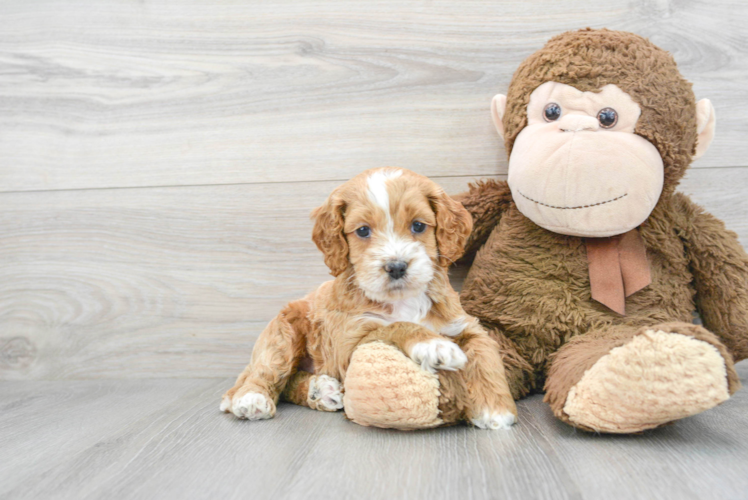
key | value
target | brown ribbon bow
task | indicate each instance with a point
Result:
(618, 268)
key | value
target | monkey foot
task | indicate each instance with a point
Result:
(383, 388)
(655, 378)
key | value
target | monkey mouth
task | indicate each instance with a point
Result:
(574, 208)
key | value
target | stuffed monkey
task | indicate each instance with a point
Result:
(587, 264)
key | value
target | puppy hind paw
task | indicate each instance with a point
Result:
(225, 403)
(494, 420)
(324, 393)
(438, 354)
(253, 406)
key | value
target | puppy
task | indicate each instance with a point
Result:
(388, 236)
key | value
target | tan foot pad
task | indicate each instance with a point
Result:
(384, 388)
(656, 378)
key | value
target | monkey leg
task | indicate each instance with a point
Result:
(384, 387)
(318, 392)
(626, 379)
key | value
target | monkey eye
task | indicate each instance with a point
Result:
(552, 112)
(607, 117)
(418, 227)
(363, 232)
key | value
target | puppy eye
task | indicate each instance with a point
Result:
(552, 112)
(363, 232)
(418, 227)
(607, 117)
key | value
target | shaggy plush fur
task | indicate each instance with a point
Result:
(530, 287)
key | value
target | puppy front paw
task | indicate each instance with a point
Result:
(494, 420)
(324, 393)
(253, 406)
(438, 354)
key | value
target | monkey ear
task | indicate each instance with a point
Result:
(453, 226)
(705, 124)
(329, 235)
(498, 106)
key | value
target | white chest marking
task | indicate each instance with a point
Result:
(413, 310)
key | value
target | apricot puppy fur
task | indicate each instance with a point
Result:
(388, 236)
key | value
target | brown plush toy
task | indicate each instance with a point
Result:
(588, 265)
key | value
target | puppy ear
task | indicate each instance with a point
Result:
(329, 234)
(453, 226)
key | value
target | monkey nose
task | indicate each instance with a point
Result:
(577, 123)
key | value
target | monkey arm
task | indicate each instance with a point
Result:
(720, 270)
(486, 201)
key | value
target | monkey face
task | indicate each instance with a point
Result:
(577, 168)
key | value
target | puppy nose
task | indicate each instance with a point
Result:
(396, 269)
(577, 123)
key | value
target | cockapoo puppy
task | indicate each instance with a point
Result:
(388, 236)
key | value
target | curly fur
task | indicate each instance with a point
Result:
(408, 312)
(329, 235)
(453, 226)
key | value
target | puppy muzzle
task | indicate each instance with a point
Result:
(396, 269)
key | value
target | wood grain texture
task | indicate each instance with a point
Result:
(187, 93)
(166, 439)
(179, 282)
(158, 162)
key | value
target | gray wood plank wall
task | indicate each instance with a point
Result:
(158, 160)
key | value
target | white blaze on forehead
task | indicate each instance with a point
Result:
(387, 245)
(377, 183)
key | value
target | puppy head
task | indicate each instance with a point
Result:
(394, 228)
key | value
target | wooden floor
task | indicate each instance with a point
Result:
(166, 439)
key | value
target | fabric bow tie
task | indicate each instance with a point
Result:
(618, 268)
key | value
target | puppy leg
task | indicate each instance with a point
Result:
(318, 392)
(490, 402)
(297, 388)
(275, 356)
(430, 350)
